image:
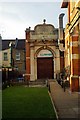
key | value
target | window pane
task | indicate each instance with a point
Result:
(5, 56)
(17, 56)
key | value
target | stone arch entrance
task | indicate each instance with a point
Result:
(45, 64)
(43, 37)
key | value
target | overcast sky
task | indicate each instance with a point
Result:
(15, 17)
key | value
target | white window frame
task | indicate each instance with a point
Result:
(5, 56)
(18, 56)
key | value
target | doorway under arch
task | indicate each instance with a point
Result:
(45, 65)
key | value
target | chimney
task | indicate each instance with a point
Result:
(61, 32)
(16, 42)
(61, 26)
(0, 37)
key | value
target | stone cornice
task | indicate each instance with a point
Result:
(70, 26)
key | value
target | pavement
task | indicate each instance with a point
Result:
(67, 104)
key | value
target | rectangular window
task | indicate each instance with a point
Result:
(18, 56)
(5, 56)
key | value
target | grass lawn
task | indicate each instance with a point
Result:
(26, 102)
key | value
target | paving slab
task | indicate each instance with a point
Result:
(66, 103)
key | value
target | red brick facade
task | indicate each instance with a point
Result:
(72, 37)
(27, 55)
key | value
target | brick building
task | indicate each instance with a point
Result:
(72, 42)
(18, 55)
(13, 55)
(42, 52)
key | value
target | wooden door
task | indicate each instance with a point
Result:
(45, 68)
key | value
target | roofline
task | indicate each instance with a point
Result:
(11, 39)
(43, 25)
(64, 4)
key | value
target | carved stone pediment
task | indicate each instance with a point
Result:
(44, 32)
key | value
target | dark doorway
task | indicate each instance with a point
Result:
(45, 68)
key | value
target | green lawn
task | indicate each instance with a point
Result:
(26, 102)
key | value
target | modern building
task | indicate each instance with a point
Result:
(42, 52)
(72, 42)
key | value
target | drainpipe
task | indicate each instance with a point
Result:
(10, 45)
(0, 67)
(61, 32)
(0, 51)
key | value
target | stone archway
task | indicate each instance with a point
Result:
(45, 63)
(43, 48)
(42, 37)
